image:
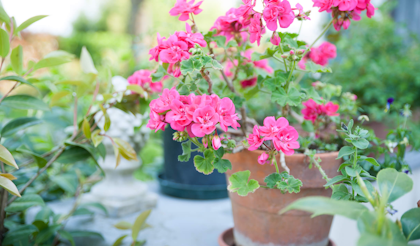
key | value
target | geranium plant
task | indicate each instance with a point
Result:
(215, 75)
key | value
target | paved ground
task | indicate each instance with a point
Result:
(183, 222)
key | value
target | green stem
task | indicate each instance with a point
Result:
(300, 28)
(277, 167)
(284, 60)
(290, 76)
(324, 175)
(322, 34)
(355, 159)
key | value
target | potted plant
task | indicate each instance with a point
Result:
(201, 103)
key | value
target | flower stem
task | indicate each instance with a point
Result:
(277, 167)
(322, 34)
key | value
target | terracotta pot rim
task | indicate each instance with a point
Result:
(295, 154)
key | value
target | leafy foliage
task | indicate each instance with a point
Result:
(238, 182)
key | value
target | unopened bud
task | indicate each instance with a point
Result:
(231, 144)
(285, 56)
(292, 52)
(363, 118)
(176, 136)
(295, 57)
(344, 127)
(300, 52)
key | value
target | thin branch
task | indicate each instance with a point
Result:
(95, 94)
(322, 34)
(207, 78)
(75, 118)
(283, 162)
(7, 93)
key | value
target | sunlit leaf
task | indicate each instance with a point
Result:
(7, 184)
(86, 62)
(6, 157)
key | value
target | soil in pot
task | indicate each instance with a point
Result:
(256, 218)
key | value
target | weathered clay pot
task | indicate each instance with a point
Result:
(256, 218)
(227, 239)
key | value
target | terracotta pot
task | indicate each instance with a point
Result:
(227, 239)
(256, 218)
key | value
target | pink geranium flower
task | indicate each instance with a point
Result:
(301, 12)
(255, 140)
(143, 79)
(272, 126)
(330, 109)
(256, 29)
(263, 158)
(249, 82)
(177, 117)
(191, 38)
(324, 5)
(345, 5)
(205, 120)
(177, 51)
(227, 115)
(275, 38)
(281, 11)
(184, 9)
(286, 140)
(156, 121)
(312, 110)
(163, 103)
(216, 142)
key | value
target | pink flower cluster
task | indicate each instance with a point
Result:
(320, 55)
(184, 9)
(143, 79)
(199, 115)
(283, 136)
(244, 21)
(345, 10)
(175, 48)
(312, 110)
(261, 64)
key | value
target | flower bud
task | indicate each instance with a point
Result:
(175, 136)
(231, 144)
(292, 52)
(300, 52)
(363, 118)
(284, 56)
(275, 38)
(216, 142)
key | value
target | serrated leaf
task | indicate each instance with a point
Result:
(29, 22)
(204, 164)
(25, 102)
(86, 62)
(315, 68)
(238, 182)
(25, 202)
(16, 59)
(217, 65)
(290, 184)
(7, 158)
(86, 128)
(158, 75)
(220, 41)
(4, 43)
(186, 152)
(291, 98)
(222, 165)
(18, 124)
(7, 184)
(272, 179)
(344, 151)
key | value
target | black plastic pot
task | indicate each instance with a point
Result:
(181, 179)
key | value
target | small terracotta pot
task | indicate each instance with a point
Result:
(256, 218)
(227, 239)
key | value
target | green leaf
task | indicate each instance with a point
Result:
(95, 205)
(359, 191)
(19, 235)
(370, 160)
(251, 93)
(158, 75)
(393, 183)
(291, 184)
(4, 43)
(220, 152)
(217, 65)
(85, 234)
(119, 241)
(312, 93)
(282, 98)
(54, 58)
(56, 97)
(73, 154)
(86, 128)
(222, 165)
(340, 192)
(7, 158)
(66, 235)
(321, 205)
(353, 171)
(272, 179)
(16, 59)
(334, 180)
(9, 186)
(238, 182)
(360, 143)
(86, 62)
(315, 68)
(186, 152)
(136, 88)
(46, 234)
(3, 15)
(139, 224)
(44, 214)
(220, 41)
(410, 222)
(68, 182)
(18, 79)
(96, 138)
(82, 211)
(25, 102)
(308, 126)
(123, 225)
(204, 164)
(18, 124)
(125, 149)
(25, 202)
(29, 22)
(346, 150)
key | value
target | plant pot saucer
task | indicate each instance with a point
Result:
(189, 191)
(227, 239)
